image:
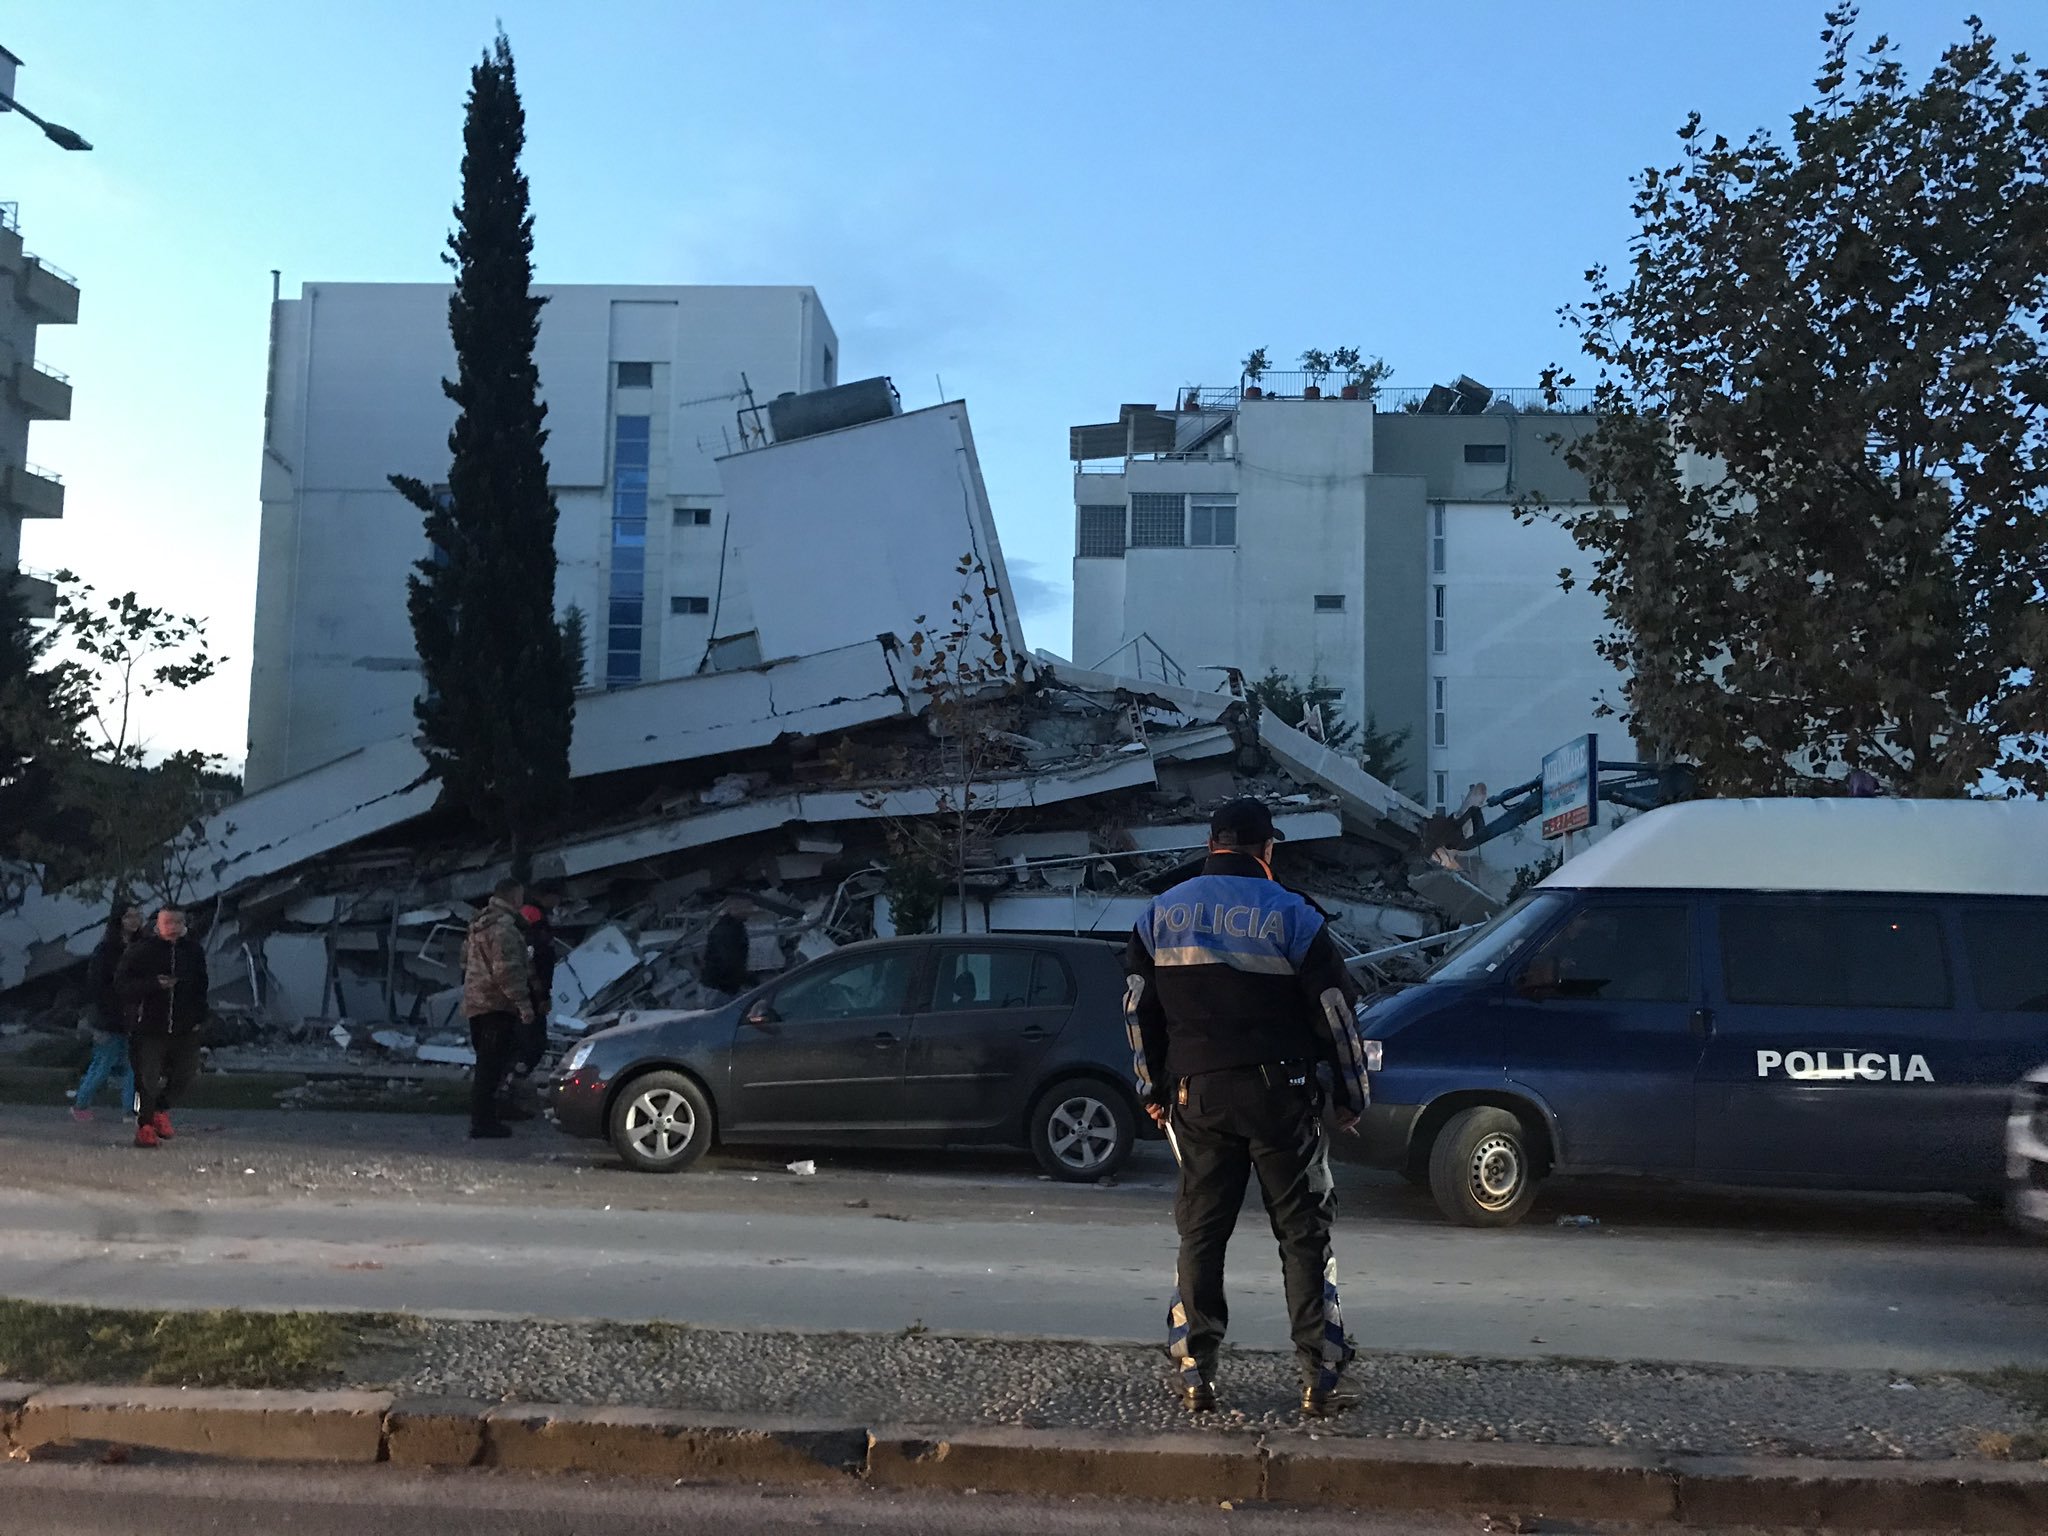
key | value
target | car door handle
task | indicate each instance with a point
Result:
(1703, 1022)
(1037, 1032)
(883, 1040)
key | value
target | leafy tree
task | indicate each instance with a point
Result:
(1820, 469)
(42, 718)
(110, 821)
(576, 645)
(496, 714)
(1378, 752)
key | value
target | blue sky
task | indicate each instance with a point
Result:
(1053, 207)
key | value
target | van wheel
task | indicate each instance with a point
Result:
(660, 1123)
(1482, 1170)
(1081, 1130)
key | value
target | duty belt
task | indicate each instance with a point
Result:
(1274, 1074)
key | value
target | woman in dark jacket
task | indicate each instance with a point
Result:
(104, 1017)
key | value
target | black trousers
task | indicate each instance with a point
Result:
(164, 1068)
(492, 1036)
(1227, 1126)
(529, 1044)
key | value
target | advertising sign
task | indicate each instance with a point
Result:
(1571, 780)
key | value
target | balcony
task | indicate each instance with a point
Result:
(38, 598)
(10, 239)
(49, 294)
(43, 393)
(29, 492)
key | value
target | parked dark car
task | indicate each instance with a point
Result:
(933, 1041)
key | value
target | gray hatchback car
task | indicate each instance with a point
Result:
(1001, 1039)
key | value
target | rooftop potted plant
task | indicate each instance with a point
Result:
(1254, 370)
(1316, 364)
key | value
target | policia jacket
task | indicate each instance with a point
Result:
(1236, 995)
(1232, 969)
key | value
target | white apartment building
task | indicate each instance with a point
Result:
(1376, 547)
(32, 293)
(646, 387)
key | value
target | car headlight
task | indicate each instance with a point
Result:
(577, 1057)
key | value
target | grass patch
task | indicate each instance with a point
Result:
(2025, 1385)
(250, 1090)
(51, 1344)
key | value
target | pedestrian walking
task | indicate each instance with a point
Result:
(497, 999)
(104, 1017)
(1236, 997)
(161, 983)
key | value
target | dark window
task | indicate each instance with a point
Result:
(1212, 521)
(1329, 602)
(1813, 956)
(636, 375)
(1158, 521)
(1486, 453)
(689, 605)
(1615, 955)
(2008, 949)
(1101, 533)
(859, 989)
(982, 978)
(693, 517)
(1052, 984)
(829, 369)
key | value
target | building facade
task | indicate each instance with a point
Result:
(1377, 549)
(646, 388)
(33, 293)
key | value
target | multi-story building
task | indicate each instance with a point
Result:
(1372, 544)
(32, 293)
(646, 387)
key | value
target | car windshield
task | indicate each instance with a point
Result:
(1485, 952)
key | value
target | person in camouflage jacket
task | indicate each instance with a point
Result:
(497, 998)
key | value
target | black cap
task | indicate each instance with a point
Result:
(1243, 824)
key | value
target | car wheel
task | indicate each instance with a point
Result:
(1482, 1169)
(661, 1123)
(1081, 1130)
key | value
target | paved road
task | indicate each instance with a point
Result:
(151, 1501)
(376, 1212)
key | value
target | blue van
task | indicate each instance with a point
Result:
(1823, 993)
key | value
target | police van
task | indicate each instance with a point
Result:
(1825, 993)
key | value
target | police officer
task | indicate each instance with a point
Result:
(1236, 995)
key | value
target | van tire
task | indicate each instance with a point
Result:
(1483, 1168)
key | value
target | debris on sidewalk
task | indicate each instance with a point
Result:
(804, 1169)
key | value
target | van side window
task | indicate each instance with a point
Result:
(1832, 956)
(1615, 954)
(2008, 949)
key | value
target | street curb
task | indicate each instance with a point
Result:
(1585, 1483)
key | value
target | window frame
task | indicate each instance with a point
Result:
(1689, 985)
(637, 382)
(677, 611)
(1101, 509)
(1329, 602)
(1180, 501)
(1440, 716)
(1211, 502)
(1032, 958)
(1439, 540)
(1439, 626)
(1486, 454)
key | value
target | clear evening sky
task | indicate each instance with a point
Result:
(1054, 207)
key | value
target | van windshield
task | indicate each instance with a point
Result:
(1484, 953)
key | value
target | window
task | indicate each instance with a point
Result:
(1486, 453)
(2008, 950)
(689, 605)
(1436, 538)
(1157, 522)
(1833, 956)
(860, 989)
(984, 978)
(1436, 626)
(1487, 950)
(1212, 521)
(1439, 722)
(631, 436)
(693, 517)
(1101, 533)
(1614, 954)
(636, 375)
(1052, 984)
(1329, 602)
(828, 369)
(1443, 790)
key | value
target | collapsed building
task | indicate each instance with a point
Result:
(775, 784)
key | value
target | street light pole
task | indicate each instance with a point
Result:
(56, 133)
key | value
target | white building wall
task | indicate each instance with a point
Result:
(356, 396)
(1519, 672)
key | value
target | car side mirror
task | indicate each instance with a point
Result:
(762, 1014)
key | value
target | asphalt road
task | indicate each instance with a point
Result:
(375, 1212)
(162, 1501)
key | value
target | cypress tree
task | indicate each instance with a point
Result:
(495, 715)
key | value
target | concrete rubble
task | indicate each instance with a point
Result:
(334, 904)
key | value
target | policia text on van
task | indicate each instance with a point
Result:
(1796, 992)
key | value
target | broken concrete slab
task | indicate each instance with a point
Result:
(1376, 809)
(592, 966)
